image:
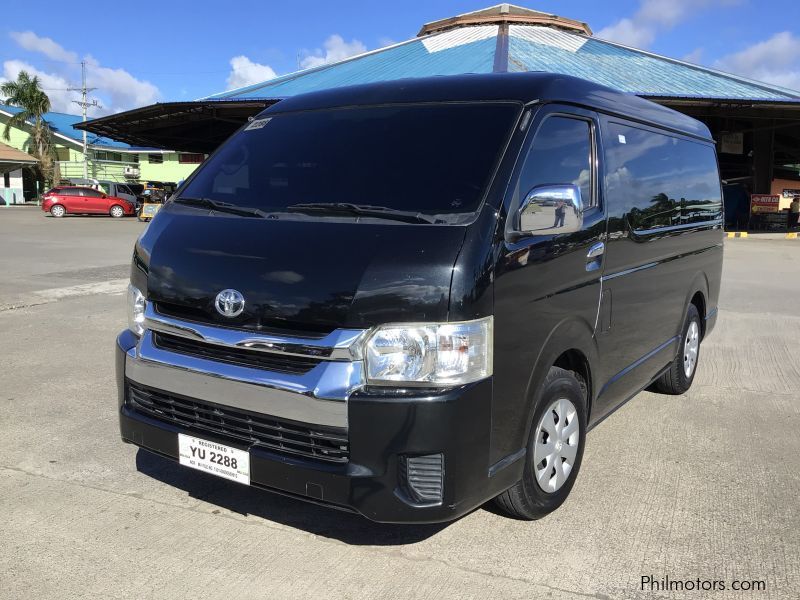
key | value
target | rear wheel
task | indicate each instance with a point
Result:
(57, 210)
(678, 379)
(554, 451)
(117, 211)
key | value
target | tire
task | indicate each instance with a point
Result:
(58, 211)
(678, 379)
(529, 499)
(116, 211)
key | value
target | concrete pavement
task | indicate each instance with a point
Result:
(703, 485)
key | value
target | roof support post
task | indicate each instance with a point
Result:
(763, 159)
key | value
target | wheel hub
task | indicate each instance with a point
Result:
(556, 445)
(691, 346)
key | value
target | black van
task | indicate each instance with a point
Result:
(407, 298)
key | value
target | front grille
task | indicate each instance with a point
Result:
(270, 361)
(239, 426)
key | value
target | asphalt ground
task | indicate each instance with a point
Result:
(702, 486)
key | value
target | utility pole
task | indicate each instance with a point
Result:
(84, 103)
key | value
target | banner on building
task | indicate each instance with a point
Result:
(764, 203)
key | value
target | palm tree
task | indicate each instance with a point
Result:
(27, 94)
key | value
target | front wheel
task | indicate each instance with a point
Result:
(117, 211)
(554, 451)
(678, 379)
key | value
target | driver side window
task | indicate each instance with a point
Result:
(561, 153)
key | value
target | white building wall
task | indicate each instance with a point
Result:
(12, 193)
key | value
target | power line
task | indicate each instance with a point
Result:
(84, 103)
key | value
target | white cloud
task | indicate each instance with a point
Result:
(120, 89)
(695, 56)
(776, 60)
(53, 85)
(117, 89)
(653, 17)
(34, 43)
(246, 72)
(335, 49)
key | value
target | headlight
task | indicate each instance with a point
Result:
(136, 305)
(436, 354)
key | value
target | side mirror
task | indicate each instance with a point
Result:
(551, 209)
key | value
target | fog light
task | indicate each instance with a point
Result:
(422, 478)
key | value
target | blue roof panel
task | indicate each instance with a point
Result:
(530, 48)
(626, 69)
(62, 123)
(469, 50)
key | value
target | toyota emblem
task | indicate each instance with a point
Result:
(229, 303)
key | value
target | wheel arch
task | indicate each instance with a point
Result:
(572, 346)
(697, 294)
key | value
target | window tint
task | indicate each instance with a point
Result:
(561, 153)
(435, 159)
(70, 192)
(660, 180)
(90, 193)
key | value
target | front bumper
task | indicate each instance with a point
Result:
(382, 428)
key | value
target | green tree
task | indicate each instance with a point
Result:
(26, 93)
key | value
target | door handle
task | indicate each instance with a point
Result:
(594, 258)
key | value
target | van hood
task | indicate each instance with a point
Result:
(313, 274)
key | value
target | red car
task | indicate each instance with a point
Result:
(75, 199)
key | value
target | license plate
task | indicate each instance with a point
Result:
(214, 458)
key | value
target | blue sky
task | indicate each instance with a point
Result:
(170, 50)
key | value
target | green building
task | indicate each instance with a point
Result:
(107, 159)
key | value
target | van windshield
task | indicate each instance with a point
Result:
(423, 158)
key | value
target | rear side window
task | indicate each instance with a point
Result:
(659, 180)
(91, 193)
(561, 153)
(70, 192)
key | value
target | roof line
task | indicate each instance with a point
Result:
(79, 143)
(301, 72)
(61, 135)
(763, 85)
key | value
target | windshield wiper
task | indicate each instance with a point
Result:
(362, 210)
(225, 207)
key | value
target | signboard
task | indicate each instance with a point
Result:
(764, 203)
(732, 143)
(790, 193)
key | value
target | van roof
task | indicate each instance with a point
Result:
(519, 87)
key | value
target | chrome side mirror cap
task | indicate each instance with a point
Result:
(551, 209)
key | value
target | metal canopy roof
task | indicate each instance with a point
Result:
(198, 126)
(502, 38)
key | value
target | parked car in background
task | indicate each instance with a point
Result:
(120, 190)
(84, 200)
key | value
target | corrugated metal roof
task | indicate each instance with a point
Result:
(62, 123)
(471, 49)
(464, 50)
(627, 69)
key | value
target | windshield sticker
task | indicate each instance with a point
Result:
(622, 139)
(257, 123)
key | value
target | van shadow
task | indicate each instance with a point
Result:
(343, 526)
